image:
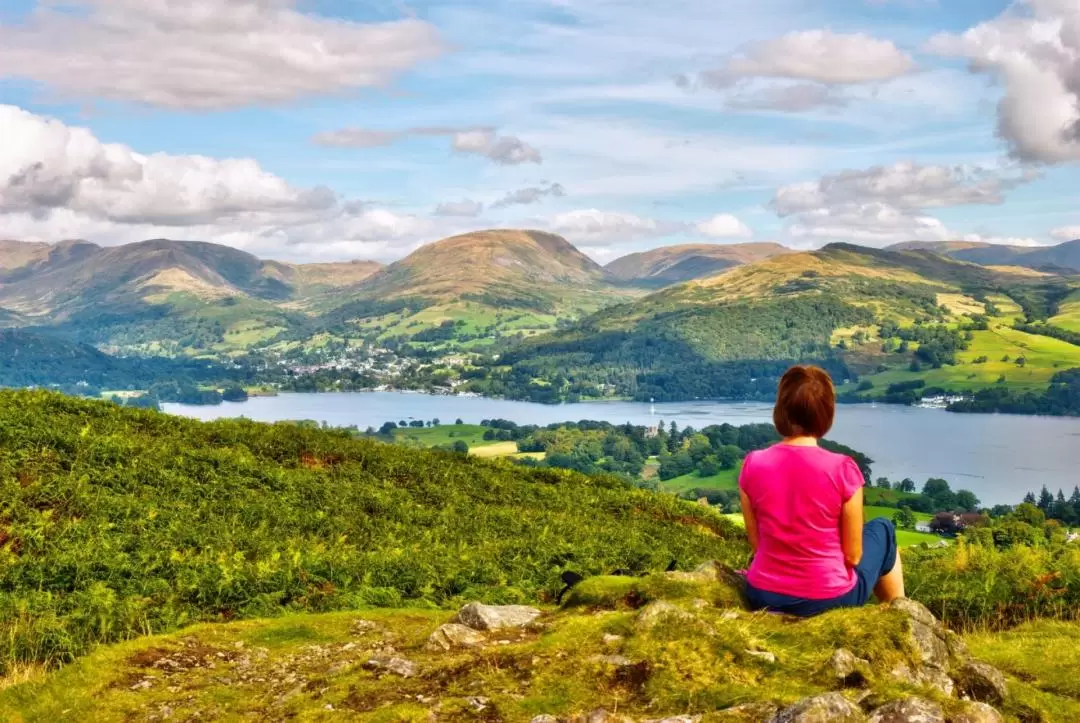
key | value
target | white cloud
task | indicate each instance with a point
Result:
(1034, 51)
(527, 196)
(204, 54)
(887, 204)
(46, 165)
(724, 225)
(504, 150)
(1066, 233)
(58, 181)
(821, 56)
(1002, 240)
(903, 185)
(788, 98)
(465, 208)
(592, 227)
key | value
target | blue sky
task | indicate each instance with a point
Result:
(335, 129)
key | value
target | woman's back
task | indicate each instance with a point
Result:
(798, 493)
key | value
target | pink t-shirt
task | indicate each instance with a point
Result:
(797, 495)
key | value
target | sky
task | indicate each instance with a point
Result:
(325, 130)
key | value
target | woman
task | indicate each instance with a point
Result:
(803, 507)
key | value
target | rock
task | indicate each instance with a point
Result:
(982, 682)
(619, 661)
(598, 716)
(729, 615)
(453, 636)
(927, 635)
(932, 677)
(676, 719)
(397, 666)
(544, 719)
(660, 610)
(762, 655)
(977, 713)
(478, 703)
(495, 617)
(909, 710)
(748, 712)
(845, 669)
(827, 708)
(610, 639)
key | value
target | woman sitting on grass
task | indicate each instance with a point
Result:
(803, 507)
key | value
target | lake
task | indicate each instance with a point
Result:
(999, 457)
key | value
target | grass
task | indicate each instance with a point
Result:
(1068, 316)
(871, 512)
(726, 480)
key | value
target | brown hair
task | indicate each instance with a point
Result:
(805, 403)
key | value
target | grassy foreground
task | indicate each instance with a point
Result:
(699, 658)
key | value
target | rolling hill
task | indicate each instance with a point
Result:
(1062, 258)
(676, 264)
(883, 315)
(487, 284)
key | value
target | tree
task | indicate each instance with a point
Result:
(387, 430)
(673, 442)
(458, 422)
(435, 422)
(883, 483)
(1029, 499)
(966, 501)
(461, 447)
(945, 523)
(1046, 500)
(1030, 514)
(905, 518)
(234, 393)
(906, 485)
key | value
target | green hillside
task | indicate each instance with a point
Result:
(116, 522)
(886, 317)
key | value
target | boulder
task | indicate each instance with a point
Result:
(392, 664)
(676, 719)
(763, 655)
(909, 710)
(495, 617)
(982, 682)
(827, 708)
(927, 636)
(843, 668)
(661, 610)
(924, 676)
(977, 713)
(454, 636)
(544, 719)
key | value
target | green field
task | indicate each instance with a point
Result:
(1068, 316)
(904, 538)
(726, 480)
(444, 434)
(871, 512)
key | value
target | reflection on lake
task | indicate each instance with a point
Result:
(999, 457)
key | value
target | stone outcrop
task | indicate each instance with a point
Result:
(454, 636)
(909, 710)
(982, 682)
(827, 708)
(495, 617)
(845, 670)
(977, 713)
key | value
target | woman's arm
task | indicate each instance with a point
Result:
(750, 520)
(851, 529)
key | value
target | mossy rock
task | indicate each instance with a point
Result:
(631, 593)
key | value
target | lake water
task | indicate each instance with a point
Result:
(999, 457)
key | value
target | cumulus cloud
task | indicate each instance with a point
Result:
(1034, 51)
(724, 225)
(504, 150)
(58, 181)
(592, 227)
(820, 56)
(886, 204)
(796, 98)
(206, 55)
(465, 209)
(1066, 233)
(527, 196)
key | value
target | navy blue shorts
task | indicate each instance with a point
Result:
(878, 560)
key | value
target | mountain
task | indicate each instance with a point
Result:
(485, 285)
(1062, 258)
(513, 267)
(676, 264)
(731, 335)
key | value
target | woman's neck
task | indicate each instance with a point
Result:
(801, 441)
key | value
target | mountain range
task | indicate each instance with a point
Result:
(668, 323)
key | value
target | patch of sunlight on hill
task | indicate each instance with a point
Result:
(1069, 314)
(959, 304)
